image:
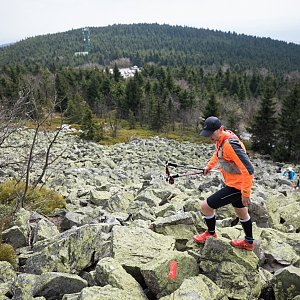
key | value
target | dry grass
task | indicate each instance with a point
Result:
(124, 134)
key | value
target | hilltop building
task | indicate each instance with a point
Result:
(127, 72)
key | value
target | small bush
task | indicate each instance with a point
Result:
(42, 199)
(8, 253)
(248, 144)
(6, 216)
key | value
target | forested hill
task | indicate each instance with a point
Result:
(163, 44)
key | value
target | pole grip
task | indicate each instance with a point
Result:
(171, 164)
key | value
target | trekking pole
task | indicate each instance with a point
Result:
(170, 164)
(170, 177)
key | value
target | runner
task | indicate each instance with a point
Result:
(238, 172)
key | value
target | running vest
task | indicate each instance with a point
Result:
(228, 166)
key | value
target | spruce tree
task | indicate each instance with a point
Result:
(75, 108)
(88, 125)
(62, 91)
(263, 127)
(116, 73)
(289, 123)
(212, 107)
(159, 113)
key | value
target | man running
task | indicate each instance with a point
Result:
(238, 172)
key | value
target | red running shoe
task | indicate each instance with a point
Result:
(243, 244)
(201, 238)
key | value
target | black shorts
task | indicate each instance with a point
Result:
(226, 196)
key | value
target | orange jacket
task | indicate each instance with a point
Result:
(233, 153)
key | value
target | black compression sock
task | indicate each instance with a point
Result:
(247, 226)
(211, 223)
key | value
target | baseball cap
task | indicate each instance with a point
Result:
(210, 125)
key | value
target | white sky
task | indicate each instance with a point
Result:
(277, 19)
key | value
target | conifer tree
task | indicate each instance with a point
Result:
(133, 94)
(254, 84)
(263, 127)
(75, 108)
(234, 85)
(159, 114)
(289, 123)
(89, 125)
(212, 107)
(116, 73)
(62, 90)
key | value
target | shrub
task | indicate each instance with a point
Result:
(248, 144)
(6, 213)
(41, 199)
(8, 253)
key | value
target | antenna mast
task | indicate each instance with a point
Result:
(86, 39)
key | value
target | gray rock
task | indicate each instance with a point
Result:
(7, 272)
(120, 202)
(111, 272)
(16, 236)
(155, 272)
(74, 296)
(133, 247)
(72, 219)
(148, 197)
(198, 287)
(23, 286)
(181, 226)
(232, 269)
(259, 212)
(44, 229)
(54, 285)
(71, 252)
(286, 283)
(165, 210)
(5, 290)
(100, 198)
(192, 205)
(277, 250)
(104, 293)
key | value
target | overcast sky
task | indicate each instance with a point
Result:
(277, 19)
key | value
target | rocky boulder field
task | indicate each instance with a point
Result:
(124, 223)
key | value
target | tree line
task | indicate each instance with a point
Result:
(152, 43)
(165, 98)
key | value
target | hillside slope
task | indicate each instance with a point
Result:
(162, 44)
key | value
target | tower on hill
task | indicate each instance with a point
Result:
(86, 39)
(86, 42)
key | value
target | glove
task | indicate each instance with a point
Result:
(206, 171)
